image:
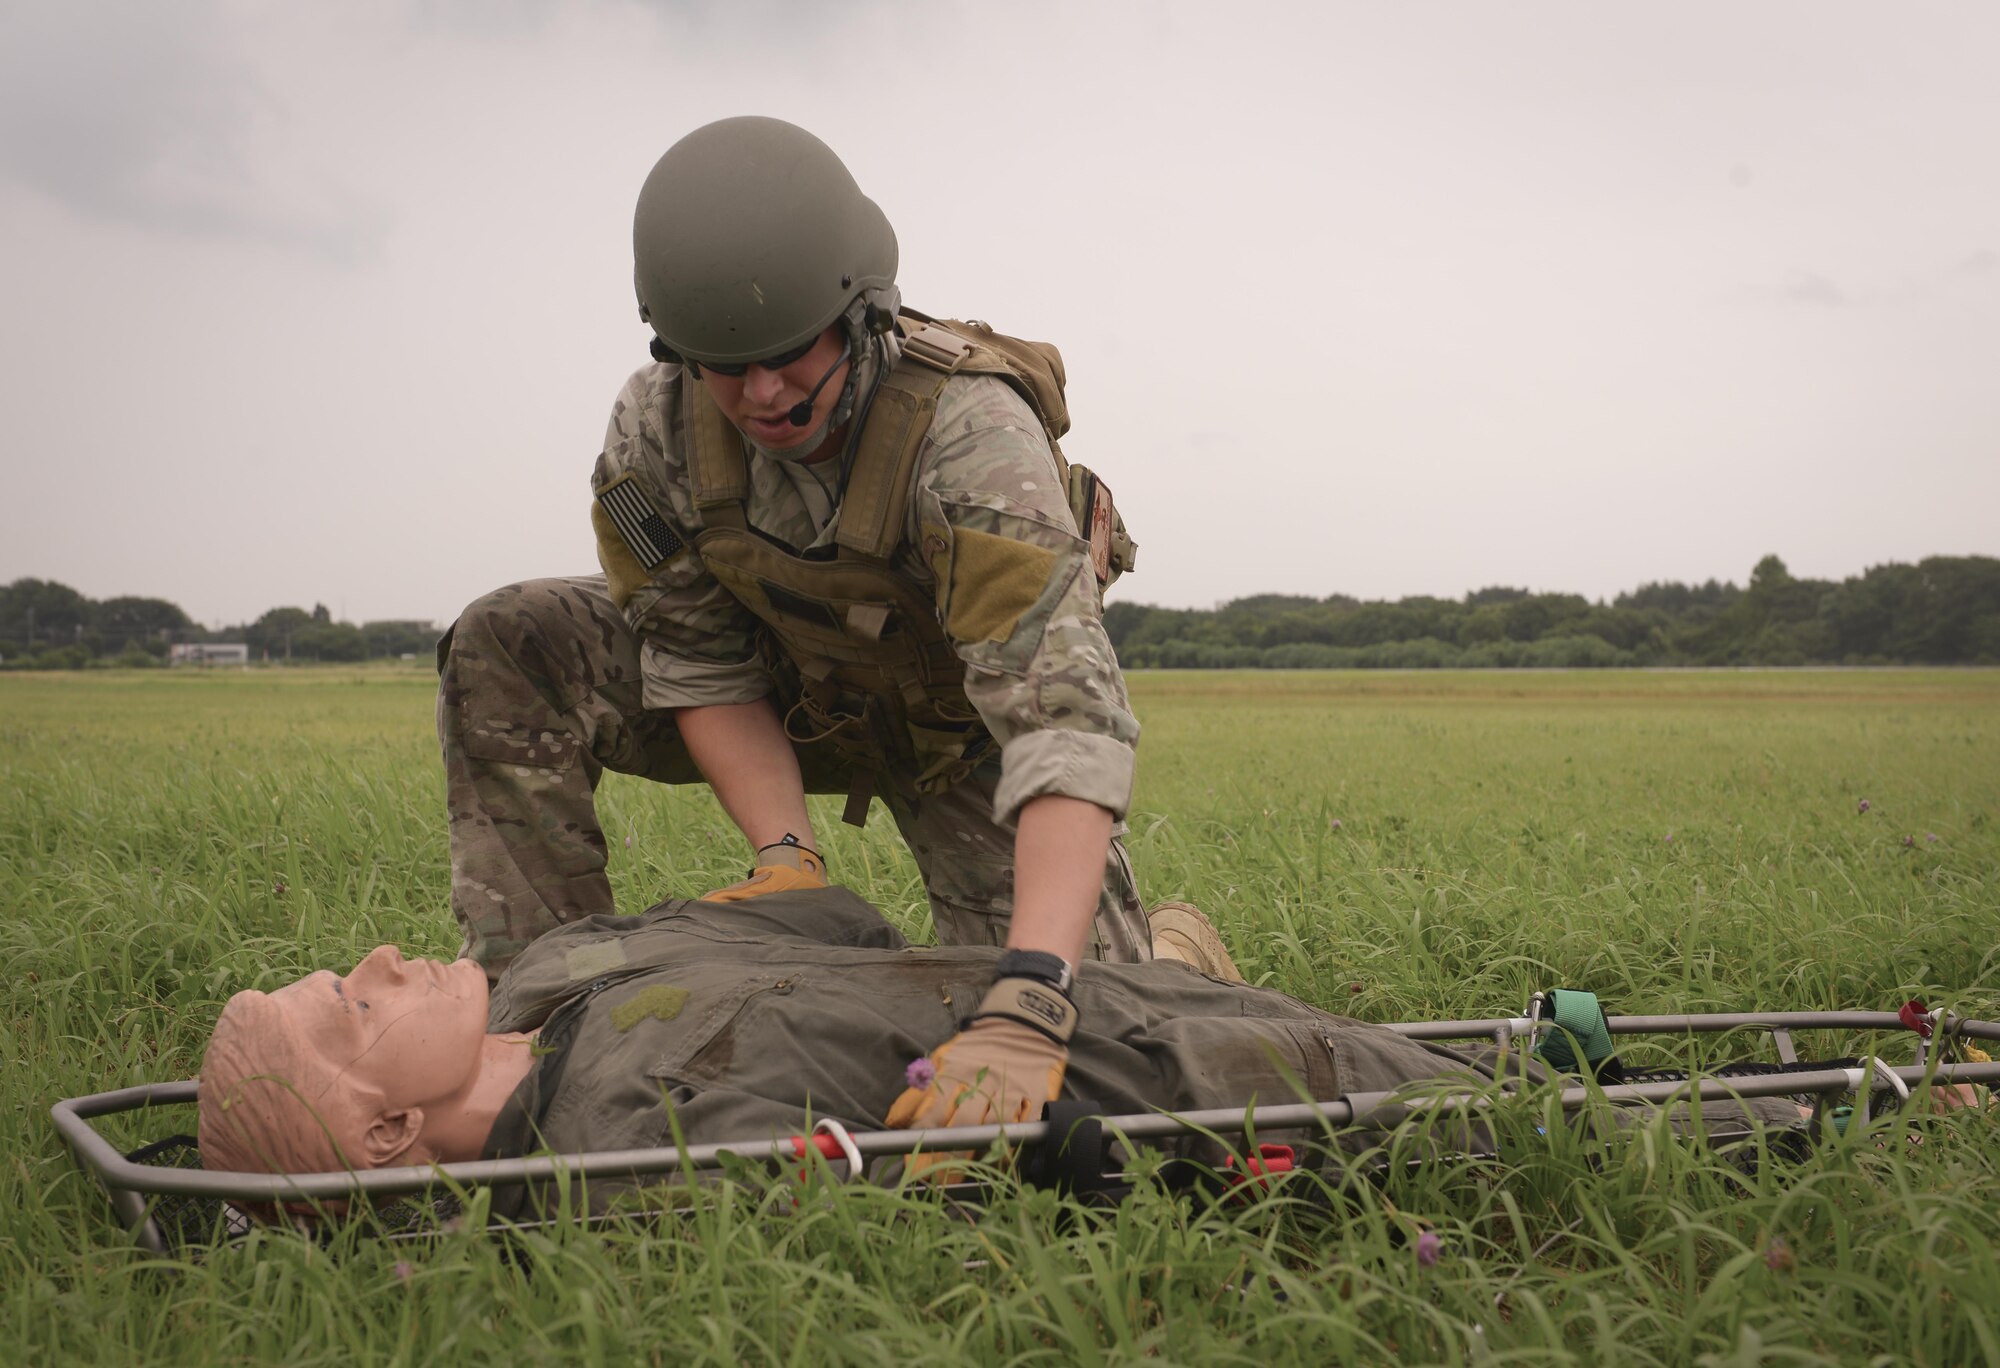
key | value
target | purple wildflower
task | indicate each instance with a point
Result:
(628, 842)
(1670, 838)
(1909, 841)
(920, 1073)
(1931, 837)
(1334, 825)
(1862, 806)
(404, 1270)
(1778, 1256)
(1429, 1245)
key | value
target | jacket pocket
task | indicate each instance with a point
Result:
(708, 1048)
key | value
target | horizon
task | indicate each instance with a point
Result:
(1728, 583)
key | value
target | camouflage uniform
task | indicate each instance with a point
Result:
(753, 1019)
(546, 683)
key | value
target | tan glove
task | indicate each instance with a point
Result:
(780, 868)
(1005, 1063)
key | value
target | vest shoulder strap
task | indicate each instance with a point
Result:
(1035, 369)
(718, 475)
(885, 457)
(900, 415)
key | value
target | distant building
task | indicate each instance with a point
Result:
(208, 653)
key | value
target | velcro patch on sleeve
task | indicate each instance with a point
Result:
(646, 533)
(995, 580)
(623, 575)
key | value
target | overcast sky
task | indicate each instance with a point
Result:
(329, 302)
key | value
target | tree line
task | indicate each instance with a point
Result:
(1944, 610)
(45, 625)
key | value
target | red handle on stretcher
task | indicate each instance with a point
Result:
(1258, 1168)
(828, 1147)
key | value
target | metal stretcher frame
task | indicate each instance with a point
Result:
(130, 1185)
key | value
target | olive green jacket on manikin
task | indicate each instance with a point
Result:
(748, 1018)
(754, 1019)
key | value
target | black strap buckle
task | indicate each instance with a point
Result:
(1073, 1159)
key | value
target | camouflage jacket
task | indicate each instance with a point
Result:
(1048, 689)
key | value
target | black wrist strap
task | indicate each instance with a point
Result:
(790, 842)
(1037, 964)
(788, 839)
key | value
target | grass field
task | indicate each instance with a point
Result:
(1390, 845)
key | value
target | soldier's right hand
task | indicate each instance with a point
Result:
(1005, 1064)
(780, 868)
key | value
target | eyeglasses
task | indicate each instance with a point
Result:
(778, 362)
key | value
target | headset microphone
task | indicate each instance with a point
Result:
(801, 414)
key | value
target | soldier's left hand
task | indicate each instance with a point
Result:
(780, 868)
(1003, 1066)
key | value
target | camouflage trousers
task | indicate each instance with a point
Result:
(539, 692)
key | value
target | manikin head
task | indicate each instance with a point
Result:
(388, 1065)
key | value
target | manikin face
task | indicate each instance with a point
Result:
(759, 401)
(406, 1032)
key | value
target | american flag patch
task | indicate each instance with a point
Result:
(644, 530)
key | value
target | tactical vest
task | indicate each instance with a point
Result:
(877, 677)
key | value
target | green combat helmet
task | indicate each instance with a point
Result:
(750, 238)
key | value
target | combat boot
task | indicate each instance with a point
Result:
(1180, 932)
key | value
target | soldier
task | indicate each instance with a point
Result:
(841, 553)
(746, 1022)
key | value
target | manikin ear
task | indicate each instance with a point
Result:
(390, 1135)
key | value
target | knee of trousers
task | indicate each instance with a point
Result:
(516, 614)
(562, 635)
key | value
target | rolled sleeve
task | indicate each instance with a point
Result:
(669, 680)
(1096, 768)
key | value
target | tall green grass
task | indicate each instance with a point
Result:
(1390, 846)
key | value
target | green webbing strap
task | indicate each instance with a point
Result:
(1577, 1023)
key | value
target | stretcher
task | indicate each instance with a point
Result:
(169, 1203)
